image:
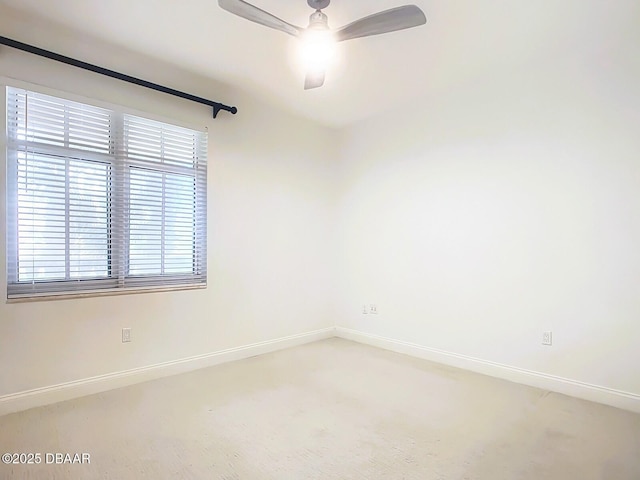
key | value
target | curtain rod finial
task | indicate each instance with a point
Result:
(217, 108)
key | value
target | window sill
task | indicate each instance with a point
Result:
(45, 297)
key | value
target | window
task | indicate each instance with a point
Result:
(101, 200)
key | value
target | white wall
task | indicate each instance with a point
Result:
(501, 208)
(270, 208)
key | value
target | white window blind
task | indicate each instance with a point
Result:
(99, 199)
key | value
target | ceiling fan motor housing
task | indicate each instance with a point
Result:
(318, 20)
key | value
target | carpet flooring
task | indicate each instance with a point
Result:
(328, 410)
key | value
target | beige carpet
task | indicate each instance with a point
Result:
(328, 410)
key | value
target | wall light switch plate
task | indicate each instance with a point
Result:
(365, 310)
(126, 335)
(546, 338)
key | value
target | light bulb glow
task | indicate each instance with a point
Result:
(317, 50)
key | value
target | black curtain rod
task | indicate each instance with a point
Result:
(120, 76)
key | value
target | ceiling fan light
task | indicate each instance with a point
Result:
(317, 50)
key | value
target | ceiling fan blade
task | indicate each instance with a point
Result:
(257, 15)
(391, 20)
(313, 80)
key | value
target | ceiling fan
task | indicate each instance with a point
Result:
(318, 31)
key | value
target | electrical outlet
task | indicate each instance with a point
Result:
(126, 335)
(546, 338)
(373, 309)
(364, 310)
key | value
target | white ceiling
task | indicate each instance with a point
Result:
(462, 39)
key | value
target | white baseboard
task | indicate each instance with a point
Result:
(56, 393)
(594, 393)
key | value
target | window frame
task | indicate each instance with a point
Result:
(117, 282)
